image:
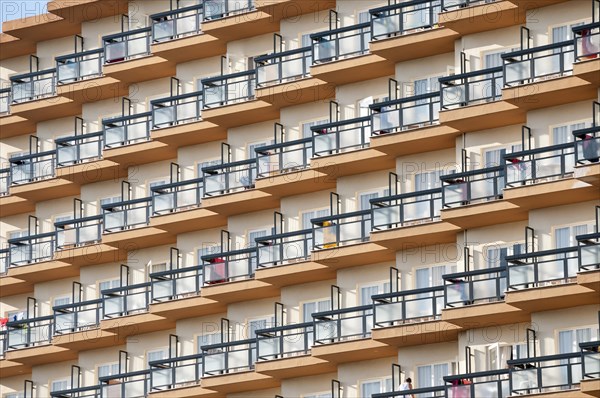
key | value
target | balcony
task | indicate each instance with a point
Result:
(545, 280)
(410, 30)
(475, 16)
(127, 384)
(587, 154)
(230, 101)
(341, 56)
(411, 317)
(12, 125)
(284, 79)
(128, 58)
(477, 297)
(490, 383)
(230, 21)
(177, 35)
(78, 392)
(590, 370)
(468, 195)
(587, 60)
(342, 148)
(474, 101)
(589, 260)
(545, 374)
(429, 392)
(410, 125)
(542, 76)
(31, 249)
(5, 101)
(181, 373)
(229, 367)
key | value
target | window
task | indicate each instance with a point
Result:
(364, 198)
(19, 394)
(305, 40)
(309, 215)
(564, 32)
(432, 276)
(156, 267)
(566, 236)
(61, 218)
(110, 199)
(496, 256)
(62, 300)
(307, 132)
(108, 369)
(568, 340)
(364, 16)
(370, 290)
(257, 324)
(157, 355)
(433, 375)
(309, 308)
(368, 388)
(497, 355)
(429, 179)
(427, 85)
(207, 163)
(156, 183)
(108, 284)
(252, 235)
(206, 250)
(564, 134)
(207, 339)
(21, 233)
(318, 395)
(59, 385)
(494, 157)
(251, 148)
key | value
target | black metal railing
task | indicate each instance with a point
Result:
(4, 181)
(79, 66)
(408, 306)
(32, 167)
(588, 247)
(471, 88)
(4, 260)
(538, 63)
(216, 9)
(541, 268)
(166, 374)
(349, 41)
(405, 113)
(406, 209)
(448, 5)
(125, 300)
(284, 157)
(229, 266)
(473, 287)
(229, 89)
(29, 332)
(34, 85)
(173, 24)
(79, 148)
(126, 130)
(79, 392)
(5, 101)
(587, 41)
(341, 136)
(403, 18)
(78, 232)
(229, 177)
(341, 229)
(178, 109)
(85, 315)
(126, 214)
(285, 248)
(538, 165)
(283, 67)
(126, 45)
(284, 341)
(231, 357)
(176, 196)
(129, 384)
(31, 249)
(544, 374)
(490, 383)
(426, 392)
(587, 145)
(590, 359)
(481, 185)
(176, 283)
(342, 324)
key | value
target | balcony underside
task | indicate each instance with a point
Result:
(40, 355)
(412, 334)
(189, 48)
(483, 17)
(188, 307)
(90, 172)
(590, 387)
(240, 114)
(188, 220)
(10, 286)
(418, 235)
(78, 11)
(91, 339)
(531, 4)
(91, 254)
(283, 9)
(92, 90)
(189, 134)
(187, 392)
(13, 125)
(589, 279)
(572, 393)
(239, 382)
(484, 315)
(40, 272)
(131, 325)
(11, 205)
(297, 366)
(550, 194)
(15, 47)
(424, 139)
(588, 173)
(296, 92)
(291, 273)
(138, 238)
(353, 350)
(10, 368)
(295, 183)
(241, 26)
(140, 153)
(588, 70)
(40, 27)
(419, 44)
(552, 297)
(353, 255)
(52, 188)
(244, 290)
(547, 93)
(352, 162)
(352, 70)
(140, 69)
(484, 214)
(252, 199)
(47, 108)
(483, 116)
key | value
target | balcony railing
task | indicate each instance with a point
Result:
(215, 9)
(426, 392)
(406, 209)
(587, 145)
(284, 248)
(119, 216)
(126, 45)
(31, 249)
(229, 177)
(342, 136)
(408, 306)
(403, 18)
(29, 332)
(543, 374)
(341, 229)
(223, 358)
(448, 5)
(229, 89)
(343, 324)
(80, 392)
(284, 157)
(170, 25)
(78, 232)
(130, 385)
(83, 65)
(589, 251)
(472, 186)
(3, 342)
(176, 283)
(336, 44)
(166, 374)
(538, 63)
(126, 130)
(283, 67)
(4, 181)
(471, 88)
(473, 287)
(126, 300)
(542, 268)
(491, 383)
(176, 110)
(176, 196)
(538, 165)
(405, 113)
(4, 260)
(5, 101)
(229, 266)
(69, 318)
(587, 41)
(79, 148)
(590, 359)
(284, 341)
(32, 167)
(33, 86)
